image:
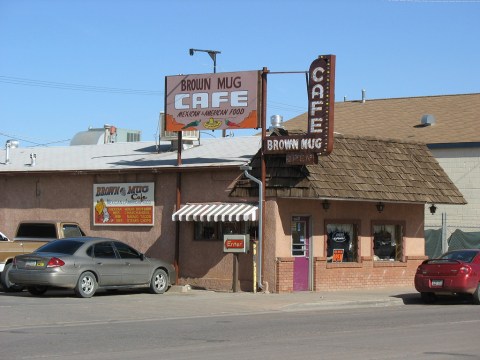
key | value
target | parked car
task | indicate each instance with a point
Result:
(30, 235)
(86, 264)
(3, 237)
(456, 272)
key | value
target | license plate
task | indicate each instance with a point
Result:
(437, 283)
(33, 263)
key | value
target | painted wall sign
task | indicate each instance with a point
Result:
(212, 101)
(130, 204)
(321, 99)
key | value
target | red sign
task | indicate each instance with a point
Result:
(235, 244)
(337, 255)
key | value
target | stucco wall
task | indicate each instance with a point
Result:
(363, 214)
(70, 198)
(202, 263)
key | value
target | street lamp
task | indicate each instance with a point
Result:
(212, 53)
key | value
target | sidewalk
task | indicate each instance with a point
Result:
(210, 301)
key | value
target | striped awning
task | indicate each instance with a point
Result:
(216, 212)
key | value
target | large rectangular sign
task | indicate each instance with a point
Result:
(130, 204)
(212, 101)
(321, 99)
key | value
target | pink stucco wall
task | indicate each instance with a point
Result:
(278, 238)
(203, 263)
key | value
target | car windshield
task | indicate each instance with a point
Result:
(61, 247)
(465, 255)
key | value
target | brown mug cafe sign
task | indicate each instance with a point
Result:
(321, 98)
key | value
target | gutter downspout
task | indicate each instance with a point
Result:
(260, 223)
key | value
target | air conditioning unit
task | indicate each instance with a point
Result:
(191, 135)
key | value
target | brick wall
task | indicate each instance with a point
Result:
(344, 276)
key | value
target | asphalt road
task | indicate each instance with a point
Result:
(206, 325)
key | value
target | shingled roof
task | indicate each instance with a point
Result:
(359, 168)
(457, 118)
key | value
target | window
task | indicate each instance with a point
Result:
(206, 230)
(342, 243)
(388, 242)
(215, 230)
(126, 252)
(300, 235)
(68, 247)
(72, 230)
(104, 250)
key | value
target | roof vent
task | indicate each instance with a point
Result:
(428, 120)
(10, 144)
(276, 121)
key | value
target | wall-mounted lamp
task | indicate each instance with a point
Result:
(433, 209)
(325, 205)
(380, 207)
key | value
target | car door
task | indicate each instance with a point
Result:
(136, 270)
(107, 265)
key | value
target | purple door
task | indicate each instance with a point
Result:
(301, 253)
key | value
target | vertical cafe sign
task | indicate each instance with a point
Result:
(129, 204)
(212, 101)
(321, 99)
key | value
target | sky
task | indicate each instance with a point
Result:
(67, 65)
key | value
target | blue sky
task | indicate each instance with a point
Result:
(66, 65)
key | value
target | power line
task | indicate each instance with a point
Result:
(77, 87)
(22, 139)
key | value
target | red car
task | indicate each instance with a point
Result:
(455, 272)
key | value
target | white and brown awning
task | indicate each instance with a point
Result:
(216, 212)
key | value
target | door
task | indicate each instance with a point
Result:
(136, 270)
(301, 253)
(108, 267)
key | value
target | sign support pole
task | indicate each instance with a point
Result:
(235, 273)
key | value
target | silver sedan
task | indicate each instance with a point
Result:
(86, 264)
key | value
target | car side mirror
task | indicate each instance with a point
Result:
(142, 257)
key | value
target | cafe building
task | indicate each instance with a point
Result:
(354, 220)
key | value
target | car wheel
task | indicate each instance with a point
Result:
(5, 281)
(428, 297)
(159, 282)
(86, 285)
(476, 295)
(37, 290)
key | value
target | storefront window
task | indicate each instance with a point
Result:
(215, 230)
(342, 243)
(387, 242)
(206, 230)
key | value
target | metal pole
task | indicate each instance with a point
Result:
(264, 168)
(260, 225)
(235, 273)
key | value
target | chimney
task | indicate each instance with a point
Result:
(364, 97)
(10, 144)
(33, 159)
